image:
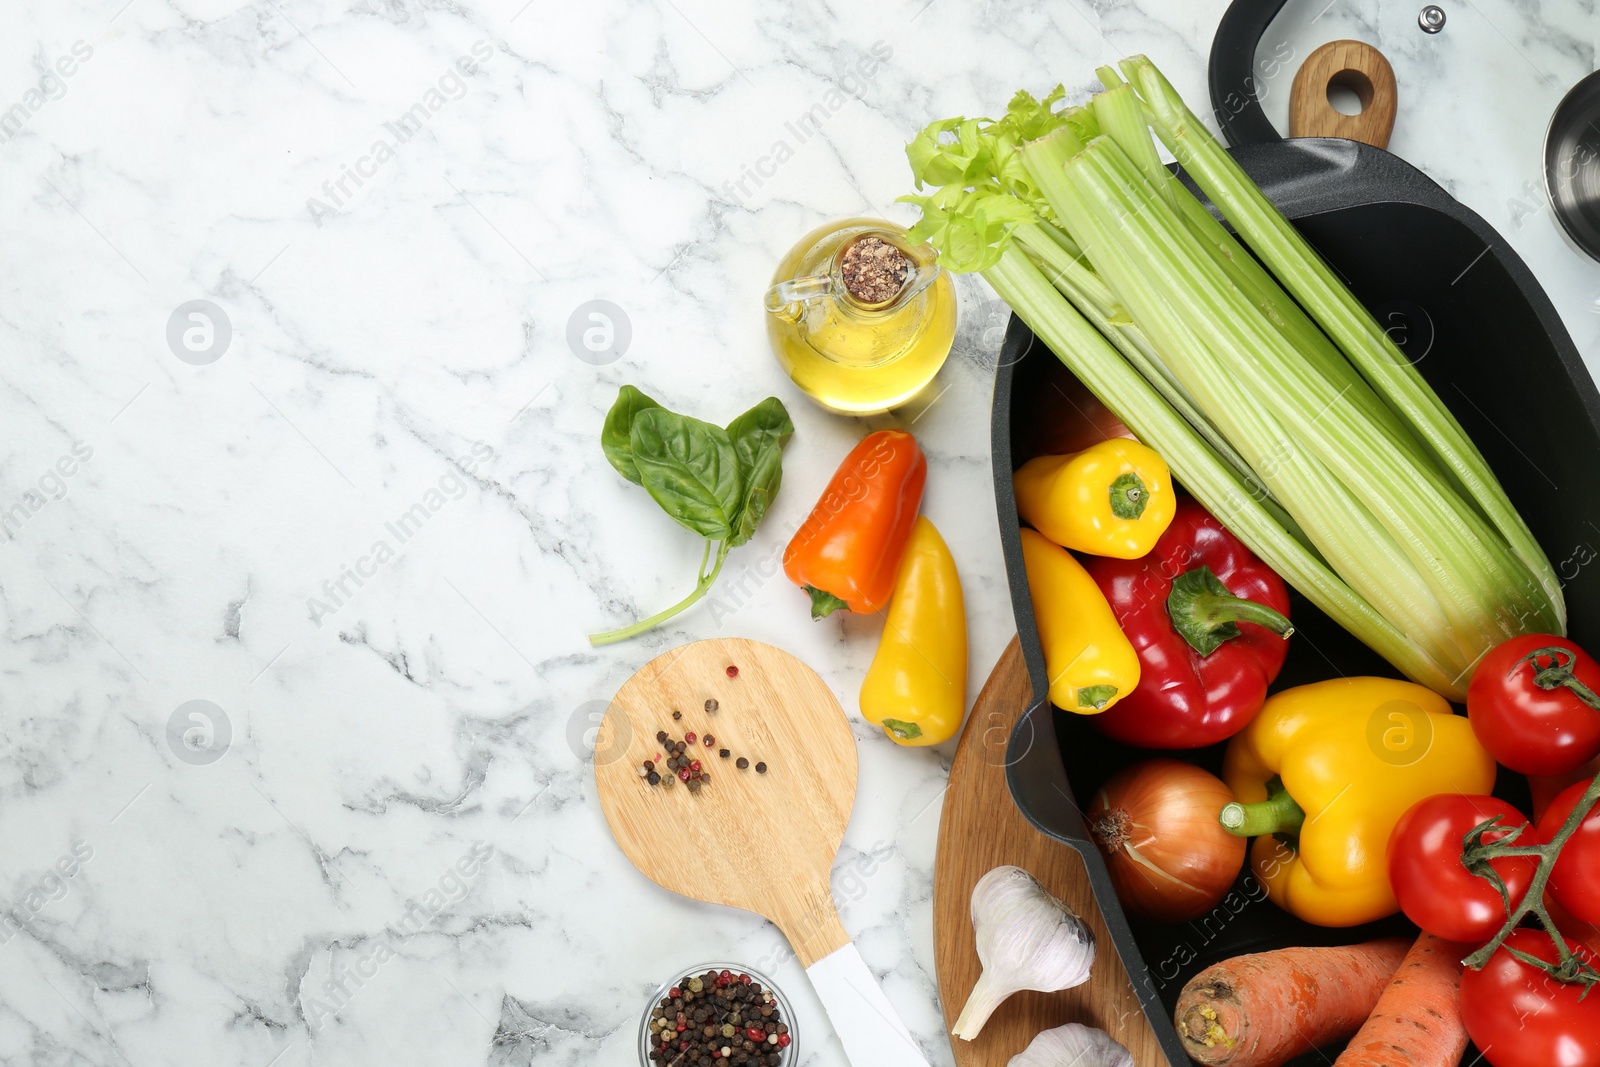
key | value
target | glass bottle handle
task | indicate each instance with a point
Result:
(788, 299)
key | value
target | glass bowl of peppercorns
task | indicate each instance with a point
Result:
(717, 1014)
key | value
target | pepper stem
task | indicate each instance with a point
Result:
(824, 603)
(1278, 814)
(1206, 614)
(1129, 496)
(1558, 672)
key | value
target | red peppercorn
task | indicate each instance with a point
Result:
(783, 1040)
(681, 1028)
(683, 775)
(708, 740)
(733, 672)
(724, 974)
(689, 737)
(755, 1035)
(674, 992)
(744, 979)
(683, 1046)
(695, 765)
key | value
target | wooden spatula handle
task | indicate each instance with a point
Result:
(868, 1026)
(1357, 66)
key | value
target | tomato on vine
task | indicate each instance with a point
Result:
(1521, 1016)
(1534, 703)
(1434, 888)
(1575, 878)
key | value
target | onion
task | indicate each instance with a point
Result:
(1169, 857)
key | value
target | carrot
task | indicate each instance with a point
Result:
(1264, 1009)
(1417, 1022)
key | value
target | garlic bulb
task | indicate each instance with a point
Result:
(1027, 939)
(1073, 1045)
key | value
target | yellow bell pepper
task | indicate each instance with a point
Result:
(1112, 499)
(1335, 764)
(1090, 663)
(916, 688)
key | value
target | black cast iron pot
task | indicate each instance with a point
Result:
(1467, 311)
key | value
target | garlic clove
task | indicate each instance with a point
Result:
(1026, 939)
(1073, 1045)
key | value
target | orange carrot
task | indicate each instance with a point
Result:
(1417, 1022)
(1264, 1009)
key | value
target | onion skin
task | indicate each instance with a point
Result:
(1169, 857)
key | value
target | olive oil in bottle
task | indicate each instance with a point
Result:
(859, 318)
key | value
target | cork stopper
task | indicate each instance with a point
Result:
(873, 270)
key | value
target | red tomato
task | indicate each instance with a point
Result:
(1575, 879)
(1529, 710)
(1521, 1017)
(1434, 890)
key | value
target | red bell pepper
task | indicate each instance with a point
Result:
(1208, 620)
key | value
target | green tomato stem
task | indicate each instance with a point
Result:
(1571, 967)
(1558, 673)
(701, 587)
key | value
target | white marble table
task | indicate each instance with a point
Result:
(387, 848)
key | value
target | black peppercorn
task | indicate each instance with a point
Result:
(711, 706)
(761, 768)
(742, 763)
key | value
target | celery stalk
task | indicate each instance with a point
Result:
(1270, 392)
(1425, 522)
(1133, 400)
(1333, 306)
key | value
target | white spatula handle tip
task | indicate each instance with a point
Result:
(868, 1026)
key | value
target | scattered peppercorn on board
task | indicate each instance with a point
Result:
(980, 829)
(760, 840)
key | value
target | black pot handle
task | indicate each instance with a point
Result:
(1232, 72)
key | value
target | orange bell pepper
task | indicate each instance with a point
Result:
(848, 551)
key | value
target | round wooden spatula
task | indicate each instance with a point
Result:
(761, 842)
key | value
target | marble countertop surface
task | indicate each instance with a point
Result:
(305, 519)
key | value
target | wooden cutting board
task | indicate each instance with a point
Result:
(981, 829)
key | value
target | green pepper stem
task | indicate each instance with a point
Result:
(1570, 967)
(701, 587)
(1278, 814)
(1214, 611)
(1129, 496)
(1206, 614)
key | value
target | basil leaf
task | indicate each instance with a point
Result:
(614, 435)
(690, 468)
(758, 436)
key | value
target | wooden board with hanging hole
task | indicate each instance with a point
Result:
(981, 829)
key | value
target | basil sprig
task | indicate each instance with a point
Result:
(713, 480)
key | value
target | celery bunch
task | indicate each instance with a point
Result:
(1274, 395)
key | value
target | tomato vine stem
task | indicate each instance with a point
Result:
(1476, 854)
